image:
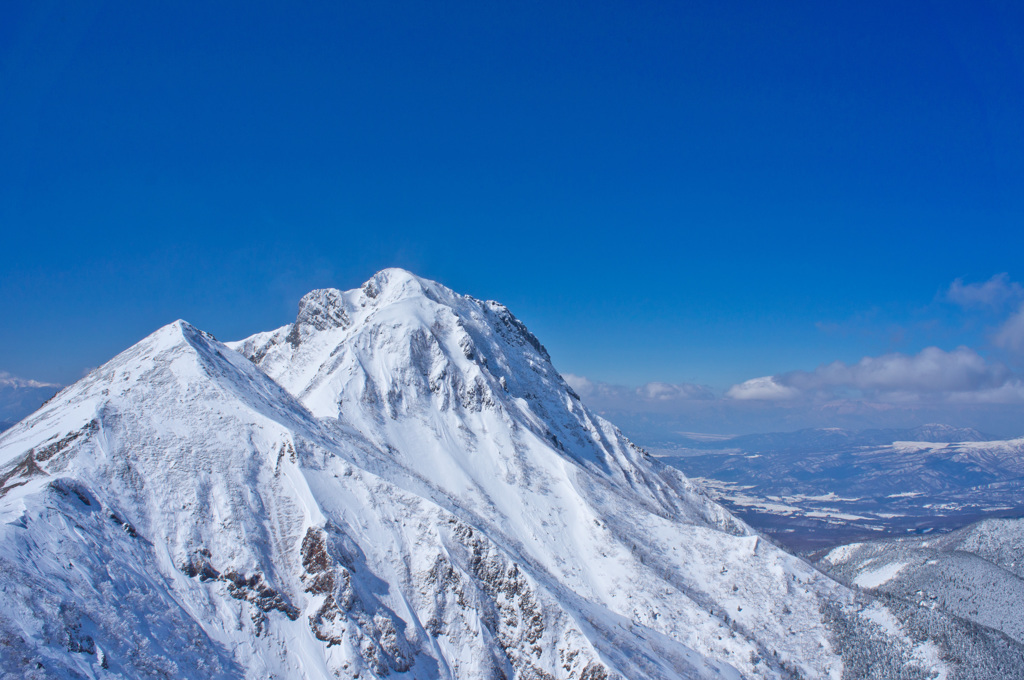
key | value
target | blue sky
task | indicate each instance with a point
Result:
(701, 193)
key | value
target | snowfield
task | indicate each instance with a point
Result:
(398, 484)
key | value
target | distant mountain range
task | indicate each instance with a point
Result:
(819, 487)
(829, 438)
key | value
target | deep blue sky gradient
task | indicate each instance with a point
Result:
(702, 192)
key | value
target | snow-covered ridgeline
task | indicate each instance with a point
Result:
(399, 483)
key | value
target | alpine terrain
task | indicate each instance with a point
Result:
(401, 484)
(976, 572)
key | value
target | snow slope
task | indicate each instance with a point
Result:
(976, 572)
(398, 484)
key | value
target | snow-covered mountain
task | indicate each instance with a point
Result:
(398, 484)
(976, 572)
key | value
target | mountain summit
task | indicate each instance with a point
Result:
(399, 483)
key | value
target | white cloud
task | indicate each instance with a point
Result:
(766, 388)
(931, 375)
(652, 392)
(930, 370)
(1011, 336)
(894, 390)
(659, 391)
(1010, 392)
(8, 380)
(582, 386)
(993, 293)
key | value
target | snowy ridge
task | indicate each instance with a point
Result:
(398, 484)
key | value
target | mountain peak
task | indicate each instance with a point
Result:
(399, 484)
(322, 309)
(941, 432)
(326, 309)
(405, 344)
(172, 334)
(394, 283)
(406, 337)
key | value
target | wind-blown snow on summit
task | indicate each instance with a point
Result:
(399, 483)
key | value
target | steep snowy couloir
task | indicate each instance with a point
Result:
(398, 484)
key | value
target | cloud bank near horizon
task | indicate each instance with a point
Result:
(651, 393)
(964, 386)
(663, 411)
(14, 382)
(931, 375)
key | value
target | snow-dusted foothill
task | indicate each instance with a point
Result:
(976, 573)
(397, 484)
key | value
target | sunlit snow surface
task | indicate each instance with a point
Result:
(976, 572)
(399, 484)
